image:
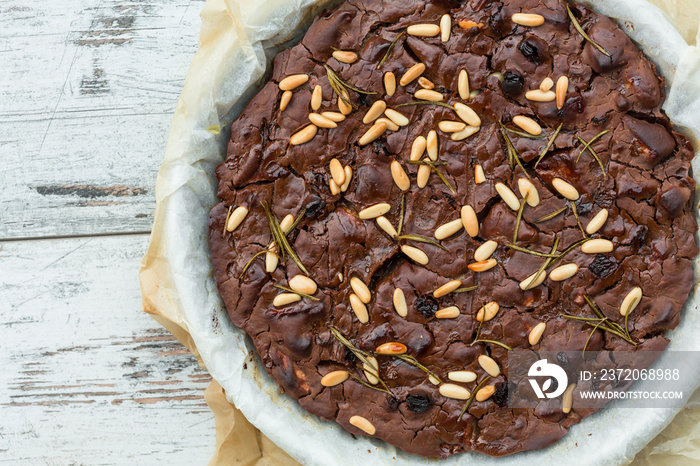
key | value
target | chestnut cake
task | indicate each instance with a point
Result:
(423, 186)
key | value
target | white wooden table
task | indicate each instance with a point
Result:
(87, 90)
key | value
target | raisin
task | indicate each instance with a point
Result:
(512, 84)
(603, 266)
(640, 237)
(502, 394)
(574, 105)
(562, 358)
(314, 207)
(418, 403)
(426, 306)
(530, 51)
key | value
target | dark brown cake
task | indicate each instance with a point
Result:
(601, 90)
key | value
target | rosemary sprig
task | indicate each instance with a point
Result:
(369, 385)
(552, 215)
(280, 238)
(289, 290)
(519, 218)
(578, 219)
(568, 250)
(533, 253)
(359, 354)
(421, 239)
(414, 362)
(587, 146)
(425, 102)
(473, 396)
(338, 87)
(590, 335)
(600, 314)
(437, 171)
(493, 342)
(228, 215)
(248, 264)
(466, 289)
(602, 326)
(434, 168)
(429, 163)
(337, 78)
(513, 155)
(580, 30)
(544, 266)
(390, 49)
(523, 134)
(549, 145)
(401, 214)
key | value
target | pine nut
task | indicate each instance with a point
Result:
(321, 121)
(423, 176)
(335, 189)
(536, 333)
(485, 251)
(361, 290)
(374, 112)
(373, 133)
(565, 189)
(391, 348)
(390, 125)
(271, 262)
(547, 84)
(432, 145)
(562, 89)
(359, 308)
(302, 284)
(400, 177)
(396, 117)
(597, 246)
(447, 288)
(344, 56)
(528, 19)
(533, 281)
(467, 114)
(567, 399)
(445, 28)
(344, 107)
(237, 216)
(337, 171)
(539, 96)
(462, 376)
(482, 266)
(448, 229)
(597, 222)
(527, 124)
(451, 312)
(271, 257)
(456, 392)
(489, 365)
(316, 98)
(479, 176)
(285, 298)
(508, 196)
(423, 30)
(563, 272)
(465, 133)
(631, 301)
(433, 380)
(427, 94)
(363, 424)
(448, 126)
(487, 312)
(469, 24)
(389, 83)
(529, 192)
(386, 225)
(371, 369)
(374, 211)
(334, 378)
(425, 83)
(348, 177)
(470, 221)
(292, 82)
(412, 74)
(485, 393)
(333, 116)
(463, 85)
(418, 148)
(400, 302)
(303, 136)
(416, 254)
(284, 100)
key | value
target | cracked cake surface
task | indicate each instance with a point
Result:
(423, 186)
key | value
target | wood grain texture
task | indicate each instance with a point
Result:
(87, 377)
(88, 92)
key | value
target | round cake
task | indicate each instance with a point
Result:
(423, 186)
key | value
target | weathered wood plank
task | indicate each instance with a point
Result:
(87, 96)
(87, 377)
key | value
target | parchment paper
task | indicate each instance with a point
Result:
(237, 40)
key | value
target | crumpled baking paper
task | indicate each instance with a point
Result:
(238, 38)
